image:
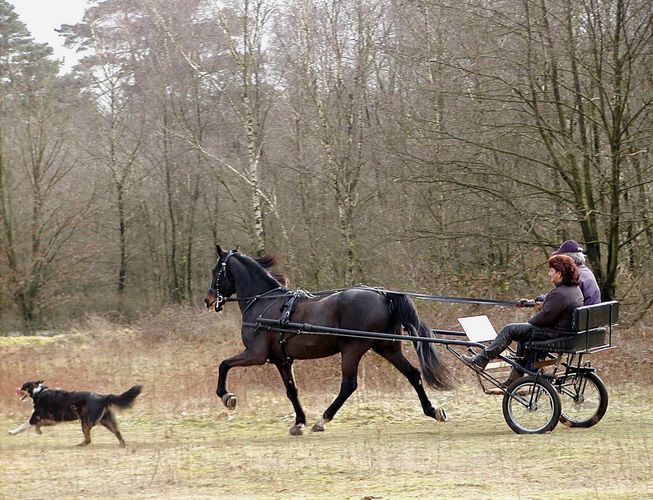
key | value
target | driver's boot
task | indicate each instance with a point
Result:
(480, 360)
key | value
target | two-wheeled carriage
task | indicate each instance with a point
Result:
(559, 384)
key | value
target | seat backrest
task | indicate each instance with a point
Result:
(596, 315)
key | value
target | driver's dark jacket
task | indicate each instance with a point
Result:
(557, 309)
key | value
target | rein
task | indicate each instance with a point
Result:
(253, 299)
(426, 296)
(420, 296)
(259, 296)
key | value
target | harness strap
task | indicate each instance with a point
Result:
(287, 309)
(252, 300)
(289, 305)
(283, 343)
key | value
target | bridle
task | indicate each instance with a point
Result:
(221, 300)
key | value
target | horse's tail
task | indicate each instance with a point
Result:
(434, 371)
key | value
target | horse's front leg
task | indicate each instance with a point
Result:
(245, 358)
(348, 385)
(288, 377)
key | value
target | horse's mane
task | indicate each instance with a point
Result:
(268, 261)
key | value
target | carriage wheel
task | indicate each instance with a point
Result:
(531, 406)
(584, 400)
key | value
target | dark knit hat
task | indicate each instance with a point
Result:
(569, 246)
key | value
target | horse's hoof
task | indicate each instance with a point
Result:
(296, 430)
(229, 400)
(319, 426)
(441, 415)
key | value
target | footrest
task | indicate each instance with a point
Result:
(544, 362)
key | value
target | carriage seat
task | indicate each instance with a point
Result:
(591, 330)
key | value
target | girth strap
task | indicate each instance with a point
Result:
(287, 309)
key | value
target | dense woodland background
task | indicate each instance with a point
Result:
(440, 146)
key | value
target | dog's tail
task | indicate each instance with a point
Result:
(126, 399)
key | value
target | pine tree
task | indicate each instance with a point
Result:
(21, 58)
(33, 164)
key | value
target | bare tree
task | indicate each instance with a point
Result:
(115, 133)
(567, 119)
(333, 50)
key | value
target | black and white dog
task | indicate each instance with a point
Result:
(51, 406)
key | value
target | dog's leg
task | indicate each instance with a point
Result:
(21, 428)
(109, 421)
(86, 429)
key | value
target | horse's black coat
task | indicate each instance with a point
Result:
(262, 295)
(54, 405)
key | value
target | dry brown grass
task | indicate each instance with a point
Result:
(182, 443)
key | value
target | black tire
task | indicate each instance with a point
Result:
(584, 400)
(531, 406)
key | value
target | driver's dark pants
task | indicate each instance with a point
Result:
(512, 331)
(522, 333)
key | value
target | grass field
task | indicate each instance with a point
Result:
(182, 443)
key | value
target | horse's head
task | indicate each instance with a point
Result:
(222, 286)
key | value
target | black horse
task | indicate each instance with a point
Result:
(261, 295)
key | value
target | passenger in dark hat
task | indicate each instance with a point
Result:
(587, 284)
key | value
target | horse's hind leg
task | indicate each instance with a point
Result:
(350, 361)
(245, 358)
(393, 353)
(288, 377)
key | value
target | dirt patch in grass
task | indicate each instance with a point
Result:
(182, 443)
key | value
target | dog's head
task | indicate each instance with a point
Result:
(30, 389)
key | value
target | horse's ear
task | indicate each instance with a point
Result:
(237, 249)
(218, 250)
